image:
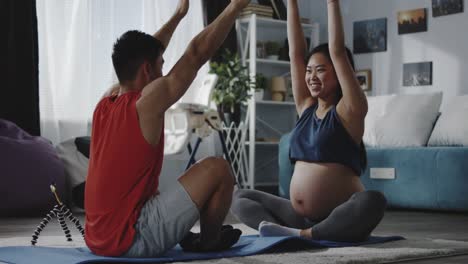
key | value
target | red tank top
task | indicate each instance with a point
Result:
(123, 174)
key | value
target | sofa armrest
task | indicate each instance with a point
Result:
(433, 178)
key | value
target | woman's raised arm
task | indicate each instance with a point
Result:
(297, 54)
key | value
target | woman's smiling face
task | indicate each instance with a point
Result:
(320, 77)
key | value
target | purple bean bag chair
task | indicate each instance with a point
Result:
(28, 164)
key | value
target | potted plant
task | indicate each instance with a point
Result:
(272, 50)
(260, 86)
(232, 88)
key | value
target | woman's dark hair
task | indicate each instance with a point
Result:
(324, 50)
(131, 50)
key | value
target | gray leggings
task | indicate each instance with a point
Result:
(352, 221)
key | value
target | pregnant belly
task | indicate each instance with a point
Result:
(317, 188)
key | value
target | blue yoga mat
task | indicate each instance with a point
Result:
(247, 245)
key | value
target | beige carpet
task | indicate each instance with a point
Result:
(380, 253)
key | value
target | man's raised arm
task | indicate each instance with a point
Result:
(160, 94)
(164, 34)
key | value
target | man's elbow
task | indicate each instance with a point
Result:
(195, 54)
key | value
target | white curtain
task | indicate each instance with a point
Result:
(75, 47)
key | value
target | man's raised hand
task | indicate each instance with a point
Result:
(182, 8)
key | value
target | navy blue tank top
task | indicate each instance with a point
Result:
(324, 140)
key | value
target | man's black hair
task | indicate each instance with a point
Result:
(131, 50)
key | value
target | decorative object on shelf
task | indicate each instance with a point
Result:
(279, 9)
(289, 93)
(61, 212)
(417, 74)
(232, 88)
(446, 7)
(412, 21)
(259, 10)
(260, 86)
(259, 94)
(272, 49)
(364, 78)
(305, 20)
(278, 89)
(284, 51)
(370, 35)
(261, 53)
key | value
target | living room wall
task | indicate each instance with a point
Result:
(442, 44)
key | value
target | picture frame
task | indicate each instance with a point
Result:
(446, 7)
(417, 74)
(364, 78)
(412, 21)
(370, 36)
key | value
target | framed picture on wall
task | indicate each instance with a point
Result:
(417, 74)
(446, 7)
(412, 21)
(370, 35)
(364, 78)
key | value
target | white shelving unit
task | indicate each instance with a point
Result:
(250, 30)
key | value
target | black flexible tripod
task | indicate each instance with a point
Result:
(61, 212)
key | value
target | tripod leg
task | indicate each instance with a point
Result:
(74, 220)
(42, 225)
(63, 224)
(191, 160)
(190, 150)
(192, 156)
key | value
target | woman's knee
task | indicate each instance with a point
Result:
(242, 193)
(371, 203)
(371, 198)
(242, 201)
(238, 197)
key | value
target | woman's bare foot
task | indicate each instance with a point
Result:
(306, 233)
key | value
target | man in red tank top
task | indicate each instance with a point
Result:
(126, 214)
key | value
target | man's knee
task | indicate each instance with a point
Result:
(220, 169)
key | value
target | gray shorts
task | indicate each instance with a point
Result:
(164, 220)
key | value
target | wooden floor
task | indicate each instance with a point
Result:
(411, 224)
